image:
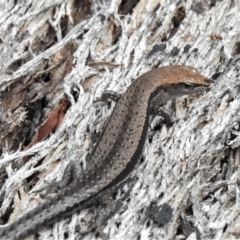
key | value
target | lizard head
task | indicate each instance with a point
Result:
(183, 80)
(190, 76)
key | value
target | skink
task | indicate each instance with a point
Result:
(118, 150)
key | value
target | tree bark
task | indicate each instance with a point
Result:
(58, 58)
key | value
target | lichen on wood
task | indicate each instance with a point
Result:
(187, 184)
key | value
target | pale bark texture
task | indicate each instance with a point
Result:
(56, 59)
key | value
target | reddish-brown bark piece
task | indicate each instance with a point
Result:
(54, 119)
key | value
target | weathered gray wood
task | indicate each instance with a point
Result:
(53, 50)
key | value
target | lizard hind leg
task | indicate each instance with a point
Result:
(71, 174)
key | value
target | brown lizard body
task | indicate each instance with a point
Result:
(118, 149)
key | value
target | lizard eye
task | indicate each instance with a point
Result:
(188, 85)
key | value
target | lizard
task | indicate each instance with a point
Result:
(118, 149)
